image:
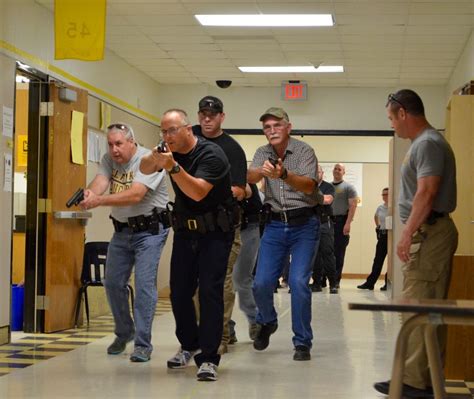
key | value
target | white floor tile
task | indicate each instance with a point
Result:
(352, 349)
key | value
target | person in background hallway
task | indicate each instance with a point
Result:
(137, 202)
(211, 116)
(429, 237)
(245, 263)
(381, 248)
(203, 219)
(289, 169)
(344, 207)
(325, 261)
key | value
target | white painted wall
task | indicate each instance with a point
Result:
(326, 108)
(464, 71)
(29, 29)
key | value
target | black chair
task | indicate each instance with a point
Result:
(93, 274)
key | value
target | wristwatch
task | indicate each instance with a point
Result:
(175, 169)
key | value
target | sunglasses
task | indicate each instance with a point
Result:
(391, 98)
(118, 126)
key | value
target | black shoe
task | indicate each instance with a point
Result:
(263, 338)
(302, 353)
(324, 284)
(316, 288)
(407, 390)
(333, 290)
(366, 286)
(383, 288)
(118, 346)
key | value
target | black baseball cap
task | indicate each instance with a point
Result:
(210, 103)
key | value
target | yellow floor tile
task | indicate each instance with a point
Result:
(14, 348)
(7, 369)
(65, 346)
(457, 390)
(36, 341)
(20, 361)
(79, 339)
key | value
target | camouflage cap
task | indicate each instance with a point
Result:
(278, 113)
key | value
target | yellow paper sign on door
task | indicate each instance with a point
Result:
(22, 150)
(77, 123)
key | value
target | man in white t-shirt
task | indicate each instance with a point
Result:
(137, 202)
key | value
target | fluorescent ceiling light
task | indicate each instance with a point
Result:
(266, 20)
(289, 69)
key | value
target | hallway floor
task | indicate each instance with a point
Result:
(351, 350)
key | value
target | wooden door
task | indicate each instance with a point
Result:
(460, 134)
(64, 237)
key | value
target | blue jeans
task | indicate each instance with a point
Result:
(280, 240)
(142, 250)
(243, 268)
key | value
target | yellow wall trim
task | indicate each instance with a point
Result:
(101, 93)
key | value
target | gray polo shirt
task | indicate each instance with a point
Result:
(121, 177)
(429, 155)
(343, 192)
(299, 159)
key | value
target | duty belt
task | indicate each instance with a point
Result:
(293, 216)
(223, 219)
(142, 223)
(433, 216)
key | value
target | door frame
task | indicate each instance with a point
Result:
(36, 183)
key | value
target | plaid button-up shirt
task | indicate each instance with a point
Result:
(299, 159)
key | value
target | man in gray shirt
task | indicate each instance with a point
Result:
(429, 237)
(137, 201)
(344, 207)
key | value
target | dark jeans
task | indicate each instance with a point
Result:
(199, 259)
(340, 244)
(380, 254)
(325, 261)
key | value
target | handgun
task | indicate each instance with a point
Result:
(273, 161)
(76, 198)
(161, 147)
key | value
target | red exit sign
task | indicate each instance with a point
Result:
(294, 91)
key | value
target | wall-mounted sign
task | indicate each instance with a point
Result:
(294, 91)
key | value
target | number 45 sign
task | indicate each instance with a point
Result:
(79, 29)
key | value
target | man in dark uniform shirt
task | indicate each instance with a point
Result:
(211, 116)
(325, 262)
(203, 223)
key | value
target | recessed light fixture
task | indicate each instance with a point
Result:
(290, 69)
(266, 20)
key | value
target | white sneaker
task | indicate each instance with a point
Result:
(181, 359)
(207, 372)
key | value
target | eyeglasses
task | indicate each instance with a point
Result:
(276, 126)
(392, 98)
(172, 130)
(117, 126)
(384, 194)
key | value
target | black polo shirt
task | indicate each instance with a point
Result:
(206, 161)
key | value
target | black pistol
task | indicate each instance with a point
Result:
(273, 161)
(76, 198)
(161, 147)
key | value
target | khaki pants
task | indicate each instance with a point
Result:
(229, 293)
(427, 276)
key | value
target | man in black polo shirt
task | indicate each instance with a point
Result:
(211, 116)
(325, 262)
(203, 223)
